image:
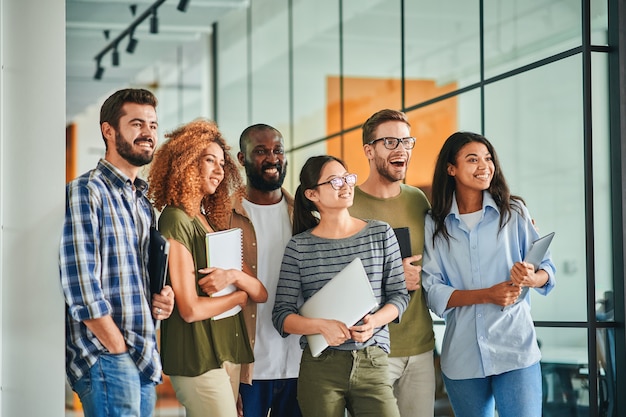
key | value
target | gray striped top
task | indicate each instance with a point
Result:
(310, 262)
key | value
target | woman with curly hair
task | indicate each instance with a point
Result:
(191, 180)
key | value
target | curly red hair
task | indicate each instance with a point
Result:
(174, 176)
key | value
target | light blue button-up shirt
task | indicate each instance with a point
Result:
(482, 340)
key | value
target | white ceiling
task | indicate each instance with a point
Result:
(87, 21)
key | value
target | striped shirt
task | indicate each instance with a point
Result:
(103, 266)
(310, 262)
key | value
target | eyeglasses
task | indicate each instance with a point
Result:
(337, 182)
(392, 143)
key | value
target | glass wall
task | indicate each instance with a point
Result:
(519, 72)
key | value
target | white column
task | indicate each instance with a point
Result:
(32, 179)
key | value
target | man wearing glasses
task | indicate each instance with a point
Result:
(387, 144)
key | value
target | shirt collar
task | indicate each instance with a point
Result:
(119, 179)
(488, 201)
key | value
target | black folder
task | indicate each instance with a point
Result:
(404, 240)
(157, 260)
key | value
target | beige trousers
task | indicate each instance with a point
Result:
(212, 394)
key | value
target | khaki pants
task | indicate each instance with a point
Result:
(413, 380)
(213, 393)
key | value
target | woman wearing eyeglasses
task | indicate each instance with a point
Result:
(352, 372)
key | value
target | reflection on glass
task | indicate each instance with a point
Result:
(603, 230)
(270, 64)
(232, 89)
(518, 33)
(564, 371)
(442, 44)
(315, 60)
(535, 121)
(371, 51)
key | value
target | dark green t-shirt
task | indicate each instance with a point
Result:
(191, 349)
(414, 334)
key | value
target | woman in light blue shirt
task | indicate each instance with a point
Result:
(476, 236)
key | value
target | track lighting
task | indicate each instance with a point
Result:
(132, 43)
(113, 45)
(182, 5)
(154, 22)
(115, 57)
(99, 71)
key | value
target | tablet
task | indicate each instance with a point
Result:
(534, 256)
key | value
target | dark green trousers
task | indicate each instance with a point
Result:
(337, 380)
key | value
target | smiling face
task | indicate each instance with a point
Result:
(324, 196)
(211, 168)
(264, 160)
(136, 136)
(474, 168)
(390, 164)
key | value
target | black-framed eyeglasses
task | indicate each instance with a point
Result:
(337, 182)
(392, 143)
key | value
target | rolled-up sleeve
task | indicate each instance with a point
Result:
(435, 286)
(79, 258)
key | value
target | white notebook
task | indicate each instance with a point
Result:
(224, 250)
(347, 297)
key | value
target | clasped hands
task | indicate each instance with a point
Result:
(336, 332)
(522, 275)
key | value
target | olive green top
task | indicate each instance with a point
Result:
(191, 349)
(414, 334)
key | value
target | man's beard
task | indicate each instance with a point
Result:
(383, 171)
(256, 180)
(125, 150)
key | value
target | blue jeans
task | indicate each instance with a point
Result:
(515, 394)
(278, 395)
(114, 387)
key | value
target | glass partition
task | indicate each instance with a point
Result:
(535, 122)
(521, 32)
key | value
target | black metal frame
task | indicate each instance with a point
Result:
(616, 52)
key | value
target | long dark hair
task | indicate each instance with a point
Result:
(304, 211)
(444, 184)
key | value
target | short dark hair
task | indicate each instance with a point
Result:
(111, 110)
(378, 118)
(259, 127)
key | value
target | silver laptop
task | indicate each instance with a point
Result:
(347, 297)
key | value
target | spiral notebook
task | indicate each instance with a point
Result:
(224, 249)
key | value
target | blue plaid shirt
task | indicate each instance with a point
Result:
(103, 265)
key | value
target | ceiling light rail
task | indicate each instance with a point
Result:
(150, 12)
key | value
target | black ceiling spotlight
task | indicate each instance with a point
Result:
(99, 71)
(182, 5)
(113, 45)
(132, 42)
(154, 21)
(115, 57)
